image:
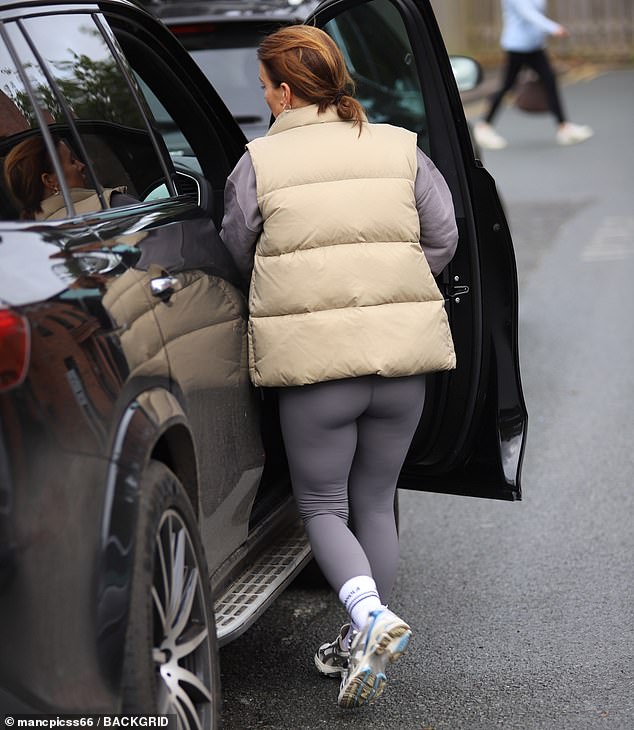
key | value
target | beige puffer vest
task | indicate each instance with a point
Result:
(340, 286)
(85, 200)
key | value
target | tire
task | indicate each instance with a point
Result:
(171, 653)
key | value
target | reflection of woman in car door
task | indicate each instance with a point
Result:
(32, 180)
(340, 226)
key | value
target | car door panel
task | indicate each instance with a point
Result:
(202, 310)
(189, 339)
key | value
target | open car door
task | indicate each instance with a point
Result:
(471, 436)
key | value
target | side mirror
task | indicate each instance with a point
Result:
(467, 72)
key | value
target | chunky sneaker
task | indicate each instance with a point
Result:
(487, 137)
(332, 659)
(570, 133)
(383, 639)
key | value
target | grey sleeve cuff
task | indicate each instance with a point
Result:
(242, 221)
(438, 230)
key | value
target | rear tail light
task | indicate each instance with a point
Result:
(15, 347)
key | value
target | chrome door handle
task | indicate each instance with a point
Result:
(163, 287)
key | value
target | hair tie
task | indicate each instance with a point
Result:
(338, 97)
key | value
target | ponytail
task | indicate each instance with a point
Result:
(309, 61)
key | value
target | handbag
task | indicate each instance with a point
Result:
(531, 96)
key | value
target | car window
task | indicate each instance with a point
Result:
(180, 112)
(227, 55)
(386, 83)
(176, 141)
(17, 119)
(235, 72)
(84, 98)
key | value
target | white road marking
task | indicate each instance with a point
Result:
(612, 241)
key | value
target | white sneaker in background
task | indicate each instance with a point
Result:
(487, 137)
(570, 133)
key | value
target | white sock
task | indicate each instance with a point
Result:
(359, 596)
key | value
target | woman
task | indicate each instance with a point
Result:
(524, 31)
(31, 178)
(326, 216)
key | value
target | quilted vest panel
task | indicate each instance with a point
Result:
(340, 287)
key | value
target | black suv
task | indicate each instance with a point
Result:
(146, 516)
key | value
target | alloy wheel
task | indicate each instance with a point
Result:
(181, 650)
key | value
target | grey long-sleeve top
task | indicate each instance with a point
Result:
(242, 222)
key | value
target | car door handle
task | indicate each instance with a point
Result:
(163, 287)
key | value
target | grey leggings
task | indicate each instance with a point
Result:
(346, 441)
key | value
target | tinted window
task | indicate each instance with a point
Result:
(86, 99)
(175, 140)
(17, 118)
(387, 82)
(77, 57)
(181, 111)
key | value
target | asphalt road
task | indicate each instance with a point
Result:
(523, 613)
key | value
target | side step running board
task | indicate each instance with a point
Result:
(251, 593)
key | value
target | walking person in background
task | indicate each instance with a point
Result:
(524, 31)
(340, 226)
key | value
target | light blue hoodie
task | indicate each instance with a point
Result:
(525, 26)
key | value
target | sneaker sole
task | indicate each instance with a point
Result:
(489, 146)
(577, 140)
(367, 682)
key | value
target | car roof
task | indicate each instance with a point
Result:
(27, 6)
(230, 10)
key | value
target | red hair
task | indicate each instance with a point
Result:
(309, 61)
(23, 169)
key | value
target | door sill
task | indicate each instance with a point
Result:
(251, 593)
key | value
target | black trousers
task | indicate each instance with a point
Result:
(538, 62)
